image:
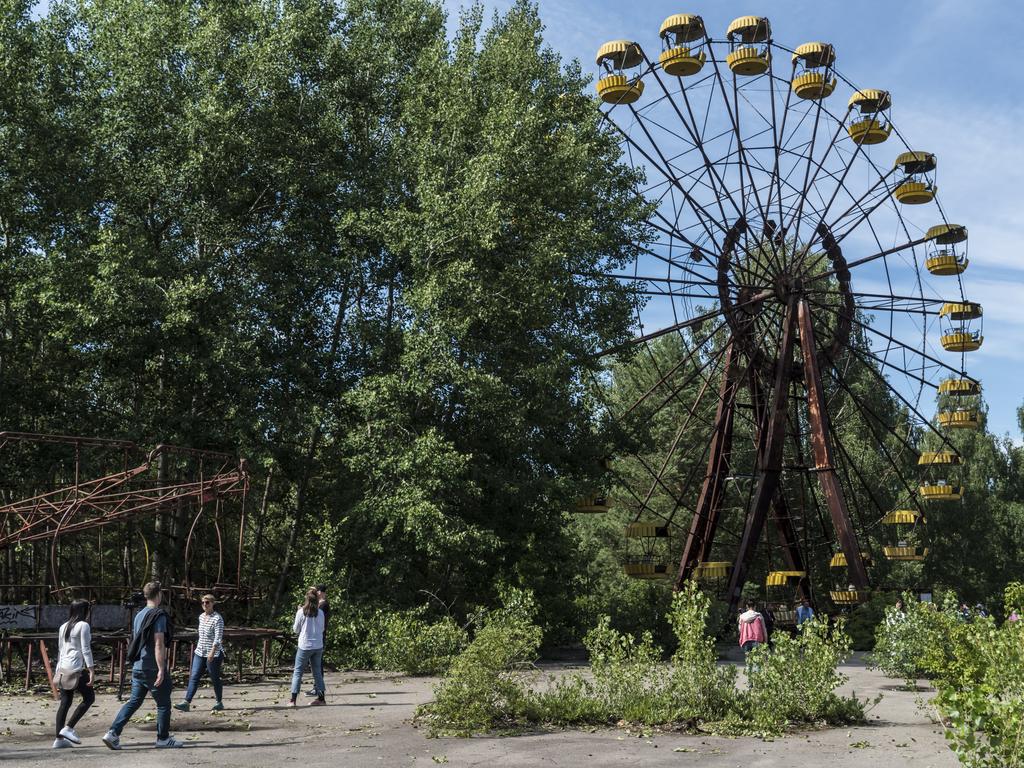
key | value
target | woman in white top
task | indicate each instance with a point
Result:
(74, 671)
(208, 656)
(309, 626)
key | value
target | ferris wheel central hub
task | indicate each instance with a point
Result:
(786, 285)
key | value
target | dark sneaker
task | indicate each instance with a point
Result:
(218, 707)
(183, 706)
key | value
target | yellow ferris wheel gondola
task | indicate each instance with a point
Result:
(615, 86)
(678, 58)
(905, 549)
(872, 126)
(956, 387)
(746, 57)
(593, 505)
(938, 458)
(817, 60)
(962, 337)
(918, 185)
(944, 259)
(961, 418)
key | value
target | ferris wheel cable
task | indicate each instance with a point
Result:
(648, 278)
(674, 369)
(678, 326)
(846, 465)
(807, 171)
(666, 172)
(669, 230)
(893, 340)
(866, 411)
(891, 297)
(675, 443)
(734, 122)
(924, 420)
(881, 180)
(698, 143)
(858, 262)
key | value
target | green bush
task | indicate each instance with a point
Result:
(795, 681)
(904, 638)
(981, 695)
(406, 642)
(483, 688)
(629, 679)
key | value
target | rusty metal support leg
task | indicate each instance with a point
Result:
(780, 508)
(49, 669)
(28, 667)
(824, 458)
(771, 436)
(709, 504)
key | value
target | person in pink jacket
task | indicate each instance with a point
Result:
(752, 629)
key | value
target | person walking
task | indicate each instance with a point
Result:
(753, 631)
(325, 606)
(74, 672)
(208, 657)
(804, 612)
(152, 632)
(309, 626)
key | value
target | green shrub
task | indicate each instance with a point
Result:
(483, 688)
(700, 689)
(981, 695)
(904, 638)
(1013, 598)
(794, 682)
(406, 642)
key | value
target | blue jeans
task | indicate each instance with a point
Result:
(200, 664)
(315, 659)
(143, 682)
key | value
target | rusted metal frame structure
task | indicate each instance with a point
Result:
(118, 497)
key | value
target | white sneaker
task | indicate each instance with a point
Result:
(60, 742)
(69, 733)
(169, 743)
(112, 740)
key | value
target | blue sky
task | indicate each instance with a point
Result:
(953, 71)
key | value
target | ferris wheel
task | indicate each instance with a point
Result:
(799, 254)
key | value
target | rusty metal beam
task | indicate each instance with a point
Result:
(771, 437)
(709, 504)
(821, 449)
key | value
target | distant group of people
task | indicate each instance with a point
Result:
(152, 635)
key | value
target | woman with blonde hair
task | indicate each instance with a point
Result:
(208, 657)
(309, 626)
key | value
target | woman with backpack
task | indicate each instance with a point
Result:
(309, 626)
(74, 672)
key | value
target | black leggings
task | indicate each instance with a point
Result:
(88, 697)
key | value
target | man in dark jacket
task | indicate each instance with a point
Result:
(151, 634)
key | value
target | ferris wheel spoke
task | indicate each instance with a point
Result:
(867, 411)
(663, 380)
(695, 137)
(702, 214)
(738, 138)
(913, 408)
(867, 259)
(690, 322)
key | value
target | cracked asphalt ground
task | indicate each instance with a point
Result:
(368, 723)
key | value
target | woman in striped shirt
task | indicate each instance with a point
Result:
(208, 656)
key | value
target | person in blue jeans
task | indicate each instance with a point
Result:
(309, 626)
(151, 633)
(208, 656)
